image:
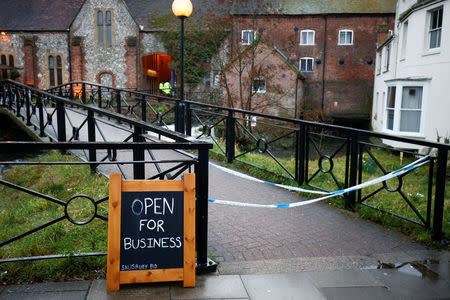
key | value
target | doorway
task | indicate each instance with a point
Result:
(156, 70)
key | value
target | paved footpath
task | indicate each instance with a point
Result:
(405, 282)
(248, 240)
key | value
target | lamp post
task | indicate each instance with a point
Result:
(181, 9)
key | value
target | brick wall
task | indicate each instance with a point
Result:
(344, 74)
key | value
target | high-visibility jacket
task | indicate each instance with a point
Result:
(165, 87)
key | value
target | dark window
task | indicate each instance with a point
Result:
(104, 27)
(11, 61)
(100, 32)
(435, 28)
(3, 62)
(55, 70)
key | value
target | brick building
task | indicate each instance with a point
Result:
(114, 42)
(332, 43)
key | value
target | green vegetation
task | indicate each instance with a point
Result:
(22, 212)
(414, 187)
(201, 43)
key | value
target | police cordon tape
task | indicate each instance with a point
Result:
(396, 173)
(287, 187)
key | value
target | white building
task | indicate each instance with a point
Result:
(412, 74)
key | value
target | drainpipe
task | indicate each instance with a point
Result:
(69, 58)
(324, 61)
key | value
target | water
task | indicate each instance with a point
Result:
(11, 131)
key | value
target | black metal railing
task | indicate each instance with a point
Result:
(70, 123)
(323, 156)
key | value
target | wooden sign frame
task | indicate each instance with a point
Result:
(115, 277)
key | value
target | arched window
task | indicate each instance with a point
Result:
(104, 27)
(55, 67)
(11, 61)
(3, 62)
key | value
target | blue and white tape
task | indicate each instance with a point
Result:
(388, 176)
(287, 187)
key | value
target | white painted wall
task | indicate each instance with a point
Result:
(416, 65)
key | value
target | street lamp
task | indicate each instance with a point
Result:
(181, 9)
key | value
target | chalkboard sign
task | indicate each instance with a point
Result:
(151, 231)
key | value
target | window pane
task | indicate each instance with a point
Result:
(410, 121)
(108, 18)
(434, 19)
(304, 38)
(108, 35)
(309, 65)
(435, 38)
(412, 97)
(100, 18)
(100, 35)
(11, 61)
(250, 37)
(59, 76)
(51, 62)
(58, 61)
(390, 119)
(3, 59)
(349, 37)
(310, 38)
(216, 78)
(342, 37)
(391, 98)
(52, 77)
(439, 19)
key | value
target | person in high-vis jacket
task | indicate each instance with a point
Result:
(165, 88)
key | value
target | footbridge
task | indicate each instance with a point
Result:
(241, 220)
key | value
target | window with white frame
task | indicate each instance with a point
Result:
(307, 37)
(390, 107)
(404, 109)
(259, 86)
(248, 36)
(404, 40)
(387, 57)
(435, 28)
(379, 61)
(345, 37)
(306, 64)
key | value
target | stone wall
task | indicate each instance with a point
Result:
(102, 58)
(31, 52)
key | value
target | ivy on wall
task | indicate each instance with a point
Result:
(202, 41)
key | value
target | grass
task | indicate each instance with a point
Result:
(414, 187)
(22, 212)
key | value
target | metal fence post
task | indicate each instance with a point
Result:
(61, 120)
(17, 103)
(179, 116)
(201, 210)
(99, 95)
(91, 138)
(188, 119)
(71, 91)
(143, 109)
(83, 93)
(119, 102)
(230, 136)
(138, 154)
(27, 107)
(351, 196)
(300, 161)
(40, 106)
(11, 96)
(439, 195)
